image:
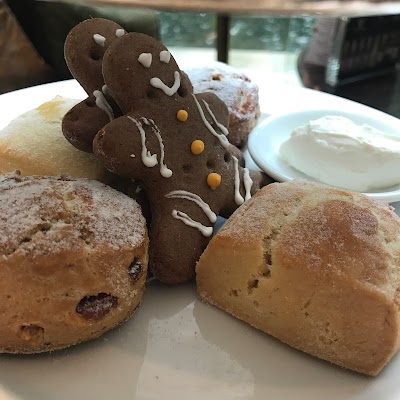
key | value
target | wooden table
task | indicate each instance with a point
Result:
(225, 8)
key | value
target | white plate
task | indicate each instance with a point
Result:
(267, 137)
(176, 347)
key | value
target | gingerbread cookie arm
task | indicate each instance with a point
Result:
(138, 143)
(237, 153)
(217, 112)
(218, 117)
(245, 184)
(260, 179)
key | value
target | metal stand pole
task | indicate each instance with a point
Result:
(223, 27)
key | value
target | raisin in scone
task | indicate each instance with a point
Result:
(236, 90)
(73, 261)
(314, 266)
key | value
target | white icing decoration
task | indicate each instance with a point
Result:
(222, 138)
(220, 126)
(146, 121)
(205, 230)
(145, 59)
(183, 194)
(99, 39)
(164, 170)
(149, 160)
(238, 197)
(248, 183)
(119, 32)
(169, 91)
(165, 56)
(103, 104)
(105, 90)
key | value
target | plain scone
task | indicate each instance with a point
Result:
(314, 266)
(73, 261)
(34, 144)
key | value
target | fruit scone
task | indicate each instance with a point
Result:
(73, 261)
(314, 266)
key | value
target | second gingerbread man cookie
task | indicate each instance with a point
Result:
(175, 143)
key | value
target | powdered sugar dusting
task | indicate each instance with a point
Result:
(324, 230)
(42, 215)
(235, 89)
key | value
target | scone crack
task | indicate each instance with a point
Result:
(40, 229)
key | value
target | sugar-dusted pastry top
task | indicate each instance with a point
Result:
(49, 214)
(359, 233)
(233, 87)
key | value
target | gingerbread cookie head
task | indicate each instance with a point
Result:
(140, 69)
(175, 142)
(84, 49)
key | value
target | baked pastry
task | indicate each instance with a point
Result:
(33, 143)
(73, 261)
(236, 90)
(314, 266)
(168, 139)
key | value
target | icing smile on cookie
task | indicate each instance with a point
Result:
(170, 91)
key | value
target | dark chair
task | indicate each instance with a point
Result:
(364, 48)
(363, 62)
(363, 65)
(47, 23)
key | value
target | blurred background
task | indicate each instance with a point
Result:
(355, 57)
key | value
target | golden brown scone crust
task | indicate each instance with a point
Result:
(34, 144)
(236, 90)
(314, 266)
(73, 261)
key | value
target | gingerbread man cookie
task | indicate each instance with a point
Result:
(84, 48)
(175, 143)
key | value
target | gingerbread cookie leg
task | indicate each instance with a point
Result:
(176, 229)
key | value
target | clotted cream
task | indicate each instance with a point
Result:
(339, 152)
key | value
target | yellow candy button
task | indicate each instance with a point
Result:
(197, 147)
(213, 180)
(182, 115)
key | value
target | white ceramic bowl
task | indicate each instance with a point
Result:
(267, 137)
